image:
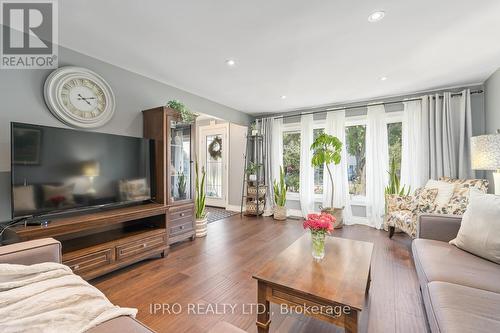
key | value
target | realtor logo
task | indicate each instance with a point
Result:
(29, 34)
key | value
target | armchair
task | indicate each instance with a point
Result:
(402, 212)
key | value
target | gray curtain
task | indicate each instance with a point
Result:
(448, 134)
(266, 127)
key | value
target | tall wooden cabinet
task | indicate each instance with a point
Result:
(174, 169)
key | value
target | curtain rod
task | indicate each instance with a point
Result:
(364, 105)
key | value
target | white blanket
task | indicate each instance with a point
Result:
(48, 297)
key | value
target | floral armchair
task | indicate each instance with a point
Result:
(403, 211)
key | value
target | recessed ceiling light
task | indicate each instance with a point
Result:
(376, 16)
(383, 78)
(230, 62)
(283, 96)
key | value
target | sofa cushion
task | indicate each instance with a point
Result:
(480, 229)
(440, 261)
(123, 324)
(461, 309)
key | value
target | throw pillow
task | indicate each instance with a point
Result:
(445, 191)
(425, 199)
(58, 195)
(479, 232)
(458, 202)
(24, 198)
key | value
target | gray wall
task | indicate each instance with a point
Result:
(21, 96)
(492, 108)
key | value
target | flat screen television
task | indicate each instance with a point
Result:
(57, 170)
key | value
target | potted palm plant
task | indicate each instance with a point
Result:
(280, 189)
(327, 150)
(394, 186)
(200, 213)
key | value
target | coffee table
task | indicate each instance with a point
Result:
(333, 289)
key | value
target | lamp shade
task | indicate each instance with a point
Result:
(90, 168)
(485, 152)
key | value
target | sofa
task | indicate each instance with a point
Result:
(461, 291)
(49, 250)
(402, 212)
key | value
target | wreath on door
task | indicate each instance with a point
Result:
(215, 148)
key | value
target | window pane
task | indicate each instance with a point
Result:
(356, 161)
(291, 160)
(318, 171)
(395, 145)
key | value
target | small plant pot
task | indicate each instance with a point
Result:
(255, 132)
(338, 213)
(252, 178)
(279, 213)
(201, 227)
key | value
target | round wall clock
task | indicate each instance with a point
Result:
(79, 97)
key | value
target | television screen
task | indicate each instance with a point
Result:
(56, 169)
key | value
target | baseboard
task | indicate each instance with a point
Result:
(233, 208)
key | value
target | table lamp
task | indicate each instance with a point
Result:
(485, 155)
(91, 170)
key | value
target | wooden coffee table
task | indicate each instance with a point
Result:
(338, 283)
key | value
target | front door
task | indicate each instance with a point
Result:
(213, 157)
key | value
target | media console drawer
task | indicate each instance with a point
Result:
(139, 246)
(90, 261)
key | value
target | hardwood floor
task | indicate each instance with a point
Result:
(218, 269)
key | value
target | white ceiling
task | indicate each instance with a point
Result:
(315, 52)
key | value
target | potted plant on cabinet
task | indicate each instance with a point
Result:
(280, 189)
(200, 213)
(186, 115)
(327, 150)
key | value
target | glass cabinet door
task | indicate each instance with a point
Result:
(180, 161)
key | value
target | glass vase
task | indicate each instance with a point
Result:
(318, 245)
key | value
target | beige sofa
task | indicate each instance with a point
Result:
(461, 291)
(49, 250)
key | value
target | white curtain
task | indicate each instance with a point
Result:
(306, 191)
(335, 125)
(273, 157)
(415, 150)
(450, 130)
(377, 164)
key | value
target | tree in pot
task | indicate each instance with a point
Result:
(327, 150)
(200, 213)
(280, 189)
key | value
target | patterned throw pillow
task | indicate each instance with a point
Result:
(425, 198)
(460, 199)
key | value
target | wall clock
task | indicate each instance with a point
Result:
(79, 97)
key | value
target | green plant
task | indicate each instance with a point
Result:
(252, 168)
(181, 185)
(280, 189)
(327, 149)
(186, 114)
(394, 186)
(200, 193)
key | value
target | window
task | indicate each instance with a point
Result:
(395, 144)
(291, 160)
(356, 159)
(318, 171)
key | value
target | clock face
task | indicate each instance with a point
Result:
(83, 98)
(79, 97)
